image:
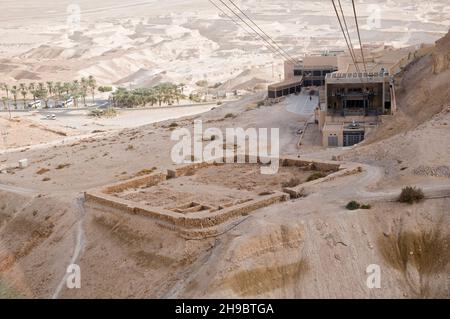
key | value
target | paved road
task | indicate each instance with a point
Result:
(302, 104)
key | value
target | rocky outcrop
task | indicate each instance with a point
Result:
(441, 55)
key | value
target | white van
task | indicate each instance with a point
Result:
(35, 104)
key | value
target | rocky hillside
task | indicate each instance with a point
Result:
(441, 55)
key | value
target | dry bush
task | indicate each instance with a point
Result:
(411, 195)
(291, 183)
(353, 205)
(428, 251)
(146, 171)
(317, 175)
(61, 166)
(42, 171)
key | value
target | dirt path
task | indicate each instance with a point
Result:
(17, 190)
(80, 243)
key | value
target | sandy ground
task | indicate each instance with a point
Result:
(36, 130)
(302, 248)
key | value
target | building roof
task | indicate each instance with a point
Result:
(311, 61)
(385, 58)
(286, 84)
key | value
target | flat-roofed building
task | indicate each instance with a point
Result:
(358, 93)
(284, 88)
(313, 69)
(353, 104)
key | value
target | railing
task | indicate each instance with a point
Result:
(354, 112)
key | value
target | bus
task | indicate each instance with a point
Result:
(66, 103)
(35, 104)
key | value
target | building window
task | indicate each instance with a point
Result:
(298, 72)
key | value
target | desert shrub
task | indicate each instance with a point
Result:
(61, 166)
(173, 124)
(353, 205)
(411, 195)
(110, 112)
(146, 171)
(260, 103)
(291, 183)
(96, 113)
(42, 171)
(105, 89)
(315, 176)
(366, 206)
(129, 147)
(219, 103)
(229, 115)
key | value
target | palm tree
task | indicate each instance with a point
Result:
(159, 95)
(32, 89)
(182, 86)
(66, 88)
(42, 93)
(92, 83)
(14, 92)
(5, 88)
(23, 92)
(75, 91)
(59, 90)
(6, 104)
(83, 89)
(50, 87)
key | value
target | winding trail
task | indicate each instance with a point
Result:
(371, 175)
(17, 190)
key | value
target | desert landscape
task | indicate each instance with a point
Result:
(103, 191)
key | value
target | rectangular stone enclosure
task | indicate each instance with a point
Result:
(195, 199)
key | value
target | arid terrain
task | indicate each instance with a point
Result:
(307, 247)
(142, 43)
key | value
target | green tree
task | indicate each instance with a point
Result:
(42, 94)
(6, 105)
(75, 91)
(32, 90)
(92, 84)
(24, 93)
(66, 88)
(50, 87)
(83, 89)
(5, 99)
(59, 89)
(14, 91)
